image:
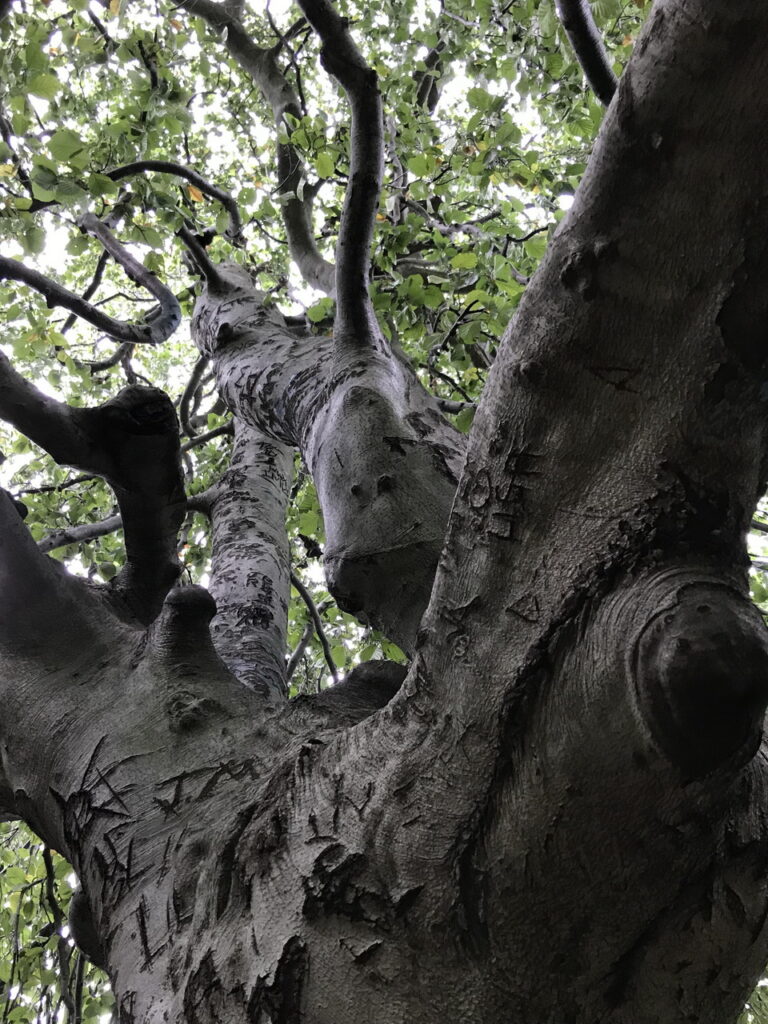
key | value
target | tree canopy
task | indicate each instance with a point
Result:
(141, 142)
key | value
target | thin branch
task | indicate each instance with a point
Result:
(159, 324)
(318, 622)
(427, 89)
(63, 952)
(576, 16)
(235, 230)
(200, 258)
(470, 227)
(51, 488)
(98, 274)
(301, 646)
(452, 408)
(124, 349)
(355, 320)
(79, 534)
(225, 428)
(188, 395)
(261, 65)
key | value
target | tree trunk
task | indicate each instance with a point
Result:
(561, 814)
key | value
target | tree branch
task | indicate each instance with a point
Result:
(37, 589)
(188, 396)
(133, 442)
(262, 67)
(250, 561)
(79, 534)
(235, 230)
(160, 324)
(318, 624)
(355, 320)
(156, 327)
(576, 16)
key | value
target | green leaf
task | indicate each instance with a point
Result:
(320, 310)
(69, 192)
(464, 260)
(464, 420)
(46, 86)
(324, 165)
(34, 239)
(64, 144)
(419, 165)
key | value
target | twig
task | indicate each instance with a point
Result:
(189, 392)
(79, 534)
(301, 646)
(315, 616)
(200, 439)
(62, 948)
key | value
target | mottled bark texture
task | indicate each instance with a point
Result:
(560, 815)
(384, 460)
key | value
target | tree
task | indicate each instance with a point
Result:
(556, 811)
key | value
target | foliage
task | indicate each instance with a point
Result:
(472, 191)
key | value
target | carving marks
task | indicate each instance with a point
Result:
(495, 500)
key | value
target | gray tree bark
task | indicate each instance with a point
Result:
(560, 815)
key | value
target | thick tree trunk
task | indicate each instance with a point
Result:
(561, 815)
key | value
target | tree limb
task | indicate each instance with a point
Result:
(37, 589)
(188, 396)
(355, 320)
(79, 534)
(98, 274)
(250, 560)
(318, 624)
(133, 442)
(235, 230)
(576, 16)
(262, 67)
(158, 326)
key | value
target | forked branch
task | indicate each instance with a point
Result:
(133, 442)
(576, 16)
(262, 67)
(157, 327)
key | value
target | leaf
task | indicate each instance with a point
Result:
(320, 310)
(324, 165)
(65, 144)
(46, 86)
(7, 170)
(419, 165)
(195, 194)
(464, 260)
(69, 192)
(464, 420)
(34, 240)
